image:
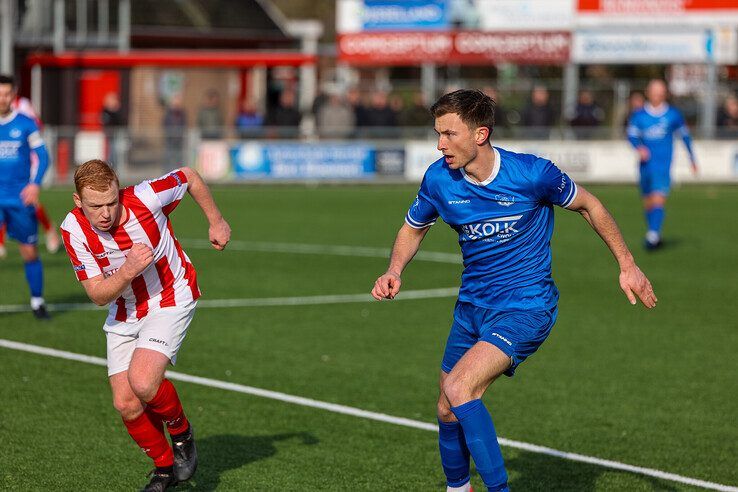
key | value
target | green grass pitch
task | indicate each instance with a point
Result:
(656, 389)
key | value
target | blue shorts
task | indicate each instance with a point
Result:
(517, 333)
(21, 223)
(655, 179)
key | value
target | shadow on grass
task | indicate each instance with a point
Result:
(540, 472)
(218, 454)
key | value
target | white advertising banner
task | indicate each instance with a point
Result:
(630, 46)
(526, 15)
(599, 161)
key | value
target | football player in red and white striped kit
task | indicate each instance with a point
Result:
(124, 252)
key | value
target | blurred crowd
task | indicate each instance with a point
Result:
(379, 114)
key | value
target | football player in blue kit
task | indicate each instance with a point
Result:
(19, 136)
(651, 132)
(501, 205)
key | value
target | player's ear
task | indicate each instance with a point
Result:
(481, 135)
(77, 200)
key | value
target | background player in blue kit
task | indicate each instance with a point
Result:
(651, 131)
(19, 136)
(501, 205)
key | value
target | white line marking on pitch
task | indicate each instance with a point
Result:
(381, 417)
(258, 302)
(322, 249)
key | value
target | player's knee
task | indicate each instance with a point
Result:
(144, 388)
(456, 391)
(128, 406)
(444, 411)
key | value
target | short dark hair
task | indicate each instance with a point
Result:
(7, 79)
(474, 107)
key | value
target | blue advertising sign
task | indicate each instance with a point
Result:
(258, 160)
(405, 15)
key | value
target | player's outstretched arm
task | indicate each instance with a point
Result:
(219, 232)
(406, 245)
(632, 280)
(103, 291)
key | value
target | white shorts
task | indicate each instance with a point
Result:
(163, 330)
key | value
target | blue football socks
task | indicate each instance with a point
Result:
(481, 439)
(35, 277)
(655, 218)
(454, 453)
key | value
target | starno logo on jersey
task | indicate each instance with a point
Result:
(497, 229)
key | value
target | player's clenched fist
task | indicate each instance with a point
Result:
(219, 234)
(387, 286)
(138, 258)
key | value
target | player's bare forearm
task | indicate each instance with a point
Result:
(219, 232)
(407, 243)
(200, 192)
(595, 213)
(103, 291)
(632, 280)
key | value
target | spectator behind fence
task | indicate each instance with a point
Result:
(336, 118)
(728, 118)
(380, 118)
(175, 125)
(249, 121)
(416, 117)
(504, 119)
(538, 115)
(112, 121)
(587, 116)
(284, 120)
(353, 97)
(210, 117)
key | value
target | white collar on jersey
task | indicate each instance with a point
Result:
(656, 111)
(495, 170)
(9, 118)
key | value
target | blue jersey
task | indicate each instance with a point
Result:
(656, 131)
(18, 136)
(504, 225)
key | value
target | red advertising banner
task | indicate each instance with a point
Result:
(654, 6)
(464, 47)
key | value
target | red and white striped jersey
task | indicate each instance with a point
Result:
(170, 280)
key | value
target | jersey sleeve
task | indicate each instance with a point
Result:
(83, 263)
(170, 189)
(633, 132)
(34, 135)
(681, 128)
(553, 185)
(422, 212)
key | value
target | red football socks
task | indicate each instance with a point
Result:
(43, 217)
(150, 437)
(166, 405)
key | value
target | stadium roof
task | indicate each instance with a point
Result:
(208, 24)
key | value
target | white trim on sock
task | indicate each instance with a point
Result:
(464, 488)
(653, 237)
